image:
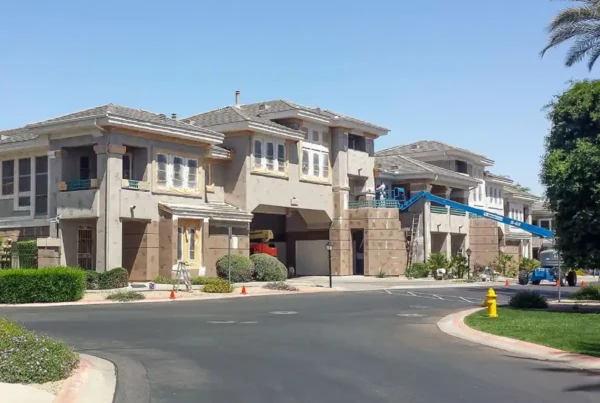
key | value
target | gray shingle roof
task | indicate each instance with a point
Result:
(218, 211)
(232, 114)
(490, 175)
(509, 189)
(280, 105)
(16, 135)
(124, 112)
(400, 164)
(424, 146)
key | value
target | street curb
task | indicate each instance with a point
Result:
(94, 381)
(454, 325)
(150, 301)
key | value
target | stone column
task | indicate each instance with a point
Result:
(55, 175)
(109, 247)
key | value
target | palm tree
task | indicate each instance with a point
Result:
(581, 23)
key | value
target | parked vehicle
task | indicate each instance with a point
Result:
(548, 272)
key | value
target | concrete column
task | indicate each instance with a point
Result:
(109, 247)
(448, 245)
(448, 193)
(339, 157)
(55, 177)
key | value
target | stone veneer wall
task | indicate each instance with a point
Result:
(140, 250)
(483, 241)
(384, 241)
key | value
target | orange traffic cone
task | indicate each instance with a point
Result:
(506, 283)
(556, 285)
(244, 290)
(172, 296)
(583, 283)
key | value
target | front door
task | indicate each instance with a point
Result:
(189, 242)
(358, 248)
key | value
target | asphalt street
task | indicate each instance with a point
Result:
(371, 346)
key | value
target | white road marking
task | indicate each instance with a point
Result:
(410, 315)
(437, 296)
(389, 292)
(221, 322)
(411, 293)
(283, 313)
(250, 322)
(466, 300)
(418, 307)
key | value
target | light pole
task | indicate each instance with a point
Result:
(329, 247)
(469, 263)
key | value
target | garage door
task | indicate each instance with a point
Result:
(311, 258)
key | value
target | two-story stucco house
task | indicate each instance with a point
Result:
(114, 187)
(295, 168)
(460, 175)
(544, 218)
(120, 187)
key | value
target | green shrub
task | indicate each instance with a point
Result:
(268, 268)
(381, 274)
(437, 261)
(528, 299)
(205, 280)
(417, 270)
(280, 285)
(125, 296)
(588, 293)
(55, 284)
(218, 286)
(165, 280)
(115, 278)
(92, 280)
(529, 264)
(459, 265)
(26, 357)
(27, 252)
(242, 268)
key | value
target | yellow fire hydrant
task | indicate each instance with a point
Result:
(491, 303)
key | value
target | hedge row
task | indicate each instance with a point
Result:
(55, 284)
(259, 267)
(115, 278)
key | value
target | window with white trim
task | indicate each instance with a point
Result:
(176, 172)
(24, 182)
(269, 155)
(315, 161)
(8, 177)
(545, 224)
(192, 244)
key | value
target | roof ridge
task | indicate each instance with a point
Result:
(72, 113)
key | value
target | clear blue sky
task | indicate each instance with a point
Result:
(464, 72)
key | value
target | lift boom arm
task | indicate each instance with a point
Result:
(479, 212)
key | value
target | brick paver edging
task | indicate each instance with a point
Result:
(454, 325)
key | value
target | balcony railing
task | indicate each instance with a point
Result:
(373, 204)
(135, 185)
(81, 184)
(439, 209)
(457, 212)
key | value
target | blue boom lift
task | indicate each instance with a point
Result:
(548, 271)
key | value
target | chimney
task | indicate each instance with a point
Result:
(173, 116)
(237, 99)
(162, 116)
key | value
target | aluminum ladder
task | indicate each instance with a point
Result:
(416, 218)
(182, 276)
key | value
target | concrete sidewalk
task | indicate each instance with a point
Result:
(454, 325)
(94, 381)
(364, 283)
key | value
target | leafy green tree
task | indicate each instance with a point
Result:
(582, 24)
(571, 173)
(504, 264)
(521, 188)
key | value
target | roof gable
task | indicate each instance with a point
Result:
(403, 165)
(423, 147)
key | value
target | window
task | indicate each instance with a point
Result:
(161, 162)
(269, 155)
(192, 182)
(177, 172)
(179, 243)
(258, 153)
(315, 136)
(24, 201)
(41, 186)
(315, 163)
(545, 224)
(305, 162)
(192, 244)
(24, 175)
(325, 137)
(8, 177)
(461, 166)
(356, 142)
(281, 157)
(84, 167)
(127, 172)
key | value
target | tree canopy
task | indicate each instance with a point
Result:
(571, 173)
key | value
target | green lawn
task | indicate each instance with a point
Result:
(574, 332)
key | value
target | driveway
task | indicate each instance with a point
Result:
(371, 346)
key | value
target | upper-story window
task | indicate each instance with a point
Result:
(462, 167)
(127, 166)
(269, 155)
(176, 172)
(315, 162)
(357, 143)
(41, 186)
(8, 177)
(24, 182)
(545, 223)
